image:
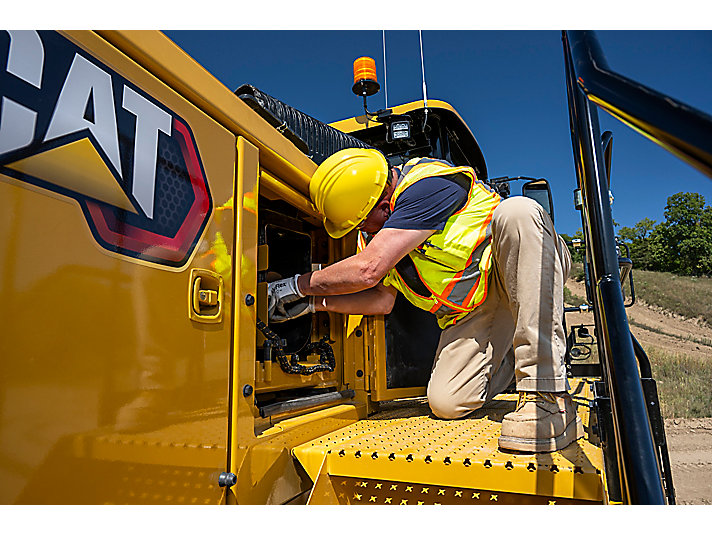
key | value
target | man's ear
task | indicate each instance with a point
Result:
(384, 206)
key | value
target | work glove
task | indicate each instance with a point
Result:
(282, 292)
(292, 310)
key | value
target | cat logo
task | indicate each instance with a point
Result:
(70, 124)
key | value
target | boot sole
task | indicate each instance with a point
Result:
(573, 431)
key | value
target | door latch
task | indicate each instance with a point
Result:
(205, 296)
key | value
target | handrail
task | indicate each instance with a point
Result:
(677, 127)
(634, 446)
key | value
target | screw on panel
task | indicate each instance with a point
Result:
(409, 458)
(467, 462)
(247, 390)
(487, 464)
(249, 300)
(428, 459)
(509, 465)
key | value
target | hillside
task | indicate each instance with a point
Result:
(672, 313)
(671, 319)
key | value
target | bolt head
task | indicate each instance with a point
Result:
(227, 480)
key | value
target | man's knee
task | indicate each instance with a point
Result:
(449, 406)
(517, 209)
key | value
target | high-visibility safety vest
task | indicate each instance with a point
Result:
(454, 263)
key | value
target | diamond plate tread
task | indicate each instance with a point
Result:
(404, 442)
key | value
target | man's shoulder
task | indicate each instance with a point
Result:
(427, 185)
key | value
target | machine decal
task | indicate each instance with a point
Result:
(72, 125)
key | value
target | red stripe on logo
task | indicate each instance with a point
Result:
(137, 240)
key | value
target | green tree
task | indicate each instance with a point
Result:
(578, 253)
(638, 240)
(682, 243)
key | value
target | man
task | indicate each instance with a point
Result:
(491, 271)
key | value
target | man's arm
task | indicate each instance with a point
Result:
(377, 300)
(365, 269)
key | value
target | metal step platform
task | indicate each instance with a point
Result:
(404, 455)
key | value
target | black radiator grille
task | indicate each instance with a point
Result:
(313, 137)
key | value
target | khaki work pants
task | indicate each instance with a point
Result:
(517, 332)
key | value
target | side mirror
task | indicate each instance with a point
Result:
(539, 190)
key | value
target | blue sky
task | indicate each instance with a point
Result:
(507, 85)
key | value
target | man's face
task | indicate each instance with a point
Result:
(378, 216)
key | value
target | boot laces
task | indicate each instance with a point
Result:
(535, 396)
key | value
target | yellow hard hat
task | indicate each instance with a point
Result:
(346, 187)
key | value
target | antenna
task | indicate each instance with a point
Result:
(385, 72)
(425, 88)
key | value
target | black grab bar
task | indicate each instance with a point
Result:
(677, 127)
(588, 79)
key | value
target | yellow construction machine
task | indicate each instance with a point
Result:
(145, 207)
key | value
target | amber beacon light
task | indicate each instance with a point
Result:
(365, 81)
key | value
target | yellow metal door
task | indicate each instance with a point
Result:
(402, 351)
(116, 236)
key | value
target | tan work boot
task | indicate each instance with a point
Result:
(542, 422)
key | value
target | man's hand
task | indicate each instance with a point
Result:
(282, 292)
(292, 310)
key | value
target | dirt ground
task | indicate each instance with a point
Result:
(690, 448)
(689, 440)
